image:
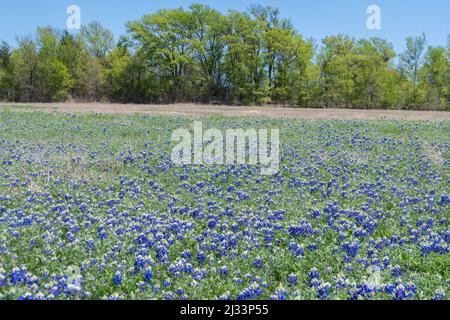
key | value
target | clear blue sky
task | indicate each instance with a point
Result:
(312, 18)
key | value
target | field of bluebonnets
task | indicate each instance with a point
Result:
(91, 207)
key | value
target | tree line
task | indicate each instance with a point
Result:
(244, 58)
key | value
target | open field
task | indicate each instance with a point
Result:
(195, 110)
(91, 206)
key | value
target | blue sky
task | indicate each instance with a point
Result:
(312, 18)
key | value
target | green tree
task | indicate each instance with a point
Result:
(54, 80)
(411, 61)
(165, 37)
(201, 55)
(448, 69)
(208, 30)
(436, 76)
(5, 55)
(25, 60)
(99, 40)
(337, 81)
(371, 65)
(6, 72)
(84, 68)
(286, 55)
(127, 79)
(246, 72)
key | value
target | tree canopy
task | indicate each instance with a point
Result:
(243, 58)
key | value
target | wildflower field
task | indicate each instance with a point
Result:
(92, 207)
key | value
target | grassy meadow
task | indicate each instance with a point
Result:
(92, 207)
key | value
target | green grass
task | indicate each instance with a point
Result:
(382, 170)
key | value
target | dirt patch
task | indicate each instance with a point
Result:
(195, 110)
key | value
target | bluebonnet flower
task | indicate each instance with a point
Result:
(304, 229)
(439, 294)
(298, 251)
(89, 245)
(251, 292)
(361, 291)
(257, 263)
(142, 262)
(187, 254)
(397, 271)
(292, 279)
(196, 228)
(201, 257)
(223, 271)
(399, 291)
(167, 283)
(323, 291)
(18, 275)
(314, 280)
(340, 281)
(117, 279)
(386, 262)
(280, 294)
(148, 275)
(179, 291)
(351, 249)
(114, 297)
(445, 199)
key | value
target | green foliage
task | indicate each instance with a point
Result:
(54, 80)
(411, 61)
(99, 40)
(5, 55)
(84, 68)
(126, 79)
(6, 71)
(245, 58)
(435, 77)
